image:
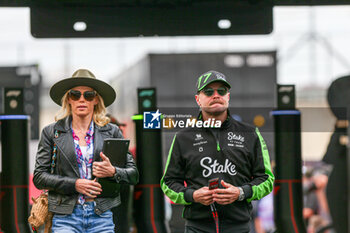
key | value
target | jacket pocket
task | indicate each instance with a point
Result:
(60, 215)
(238, 210)
(54, 198)
(197, 211)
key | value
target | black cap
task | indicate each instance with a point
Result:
(210, 77)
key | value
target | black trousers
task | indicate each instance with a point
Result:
(208, 226)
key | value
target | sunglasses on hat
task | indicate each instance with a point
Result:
(210, 91)
(88, 95)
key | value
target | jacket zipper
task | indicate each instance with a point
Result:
(217, 145)
(216, 139)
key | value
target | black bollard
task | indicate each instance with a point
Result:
(14, 179)
(288, 199)
(14, 200)
(337, 155)
(148, 196)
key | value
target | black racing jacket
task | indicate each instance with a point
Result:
(235, 153)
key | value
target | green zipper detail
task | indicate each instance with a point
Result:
(217, 145)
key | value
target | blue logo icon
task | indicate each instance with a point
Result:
(151, 120)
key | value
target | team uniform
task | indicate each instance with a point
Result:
(235, 153)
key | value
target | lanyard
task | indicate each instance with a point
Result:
(215, 216)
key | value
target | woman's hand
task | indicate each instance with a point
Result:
(104, 168)
(89, 188)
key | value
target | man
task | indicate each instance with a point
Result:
(235, 153)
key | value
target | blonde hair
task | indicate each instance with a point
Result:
(99, 116)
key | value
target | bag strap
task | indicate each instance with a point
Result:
(54, 154)
(34, 230)
(53, 165)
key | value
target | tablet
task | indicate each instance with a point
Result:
(116, 150)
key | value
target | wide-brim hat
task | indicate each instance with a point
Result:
(210, 77)
(83, 77)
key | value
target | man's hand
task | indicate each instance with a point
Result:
(203, 196)
(104, 168)
(227, 195)
(89, 188)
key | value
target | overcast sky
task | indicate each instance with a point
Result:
(305, 58)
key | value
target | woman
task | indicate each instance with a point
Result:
(69, 156)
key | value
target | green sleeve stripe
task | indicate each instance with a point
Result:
(261, 190)
(177, 198)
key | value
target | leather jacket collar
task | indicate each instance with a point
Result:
(65, 143)
(64, 124)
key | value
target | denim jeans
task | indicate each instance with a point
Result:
(83, 220)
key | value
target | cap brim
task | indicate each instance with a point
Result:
(106, 91)
(216, 80)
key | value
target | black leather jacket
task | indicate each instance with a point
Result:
(61, 184)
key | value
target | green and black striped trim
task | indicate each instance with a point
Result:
(176, 197)
(261, 190)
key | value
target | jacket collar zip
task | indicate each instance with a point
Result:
(216, 137)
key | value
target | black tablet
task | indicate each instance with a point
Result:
(116, 150)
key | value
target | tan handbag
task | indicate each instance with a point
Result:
(40, 213)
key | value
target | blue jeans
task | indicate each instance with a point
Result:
(83, 220)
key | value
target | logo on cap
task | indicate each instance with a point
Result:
(209, 77)
(206, 76)
(220, 77)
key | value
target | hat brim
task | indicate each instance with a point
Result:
(216, 80)
(106, 91)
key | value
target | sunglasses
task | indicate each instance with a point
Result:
(210, 91)
(88, 95)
